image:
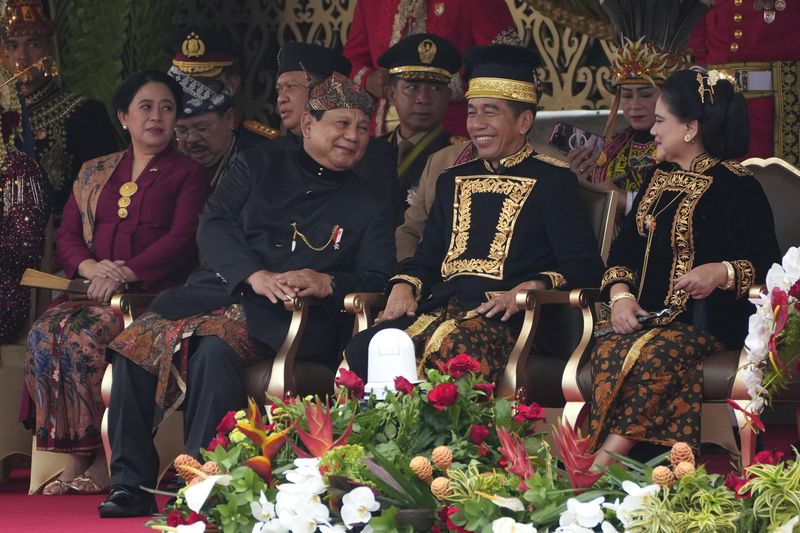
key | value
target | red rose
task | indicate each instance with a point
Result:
(443, 395)
(175, 519)
(478, 433)
(461, 364)
(350, 381)
(487, 389)
(219, 440)
(529, 413)
(227, 424)
(767, 457)
(401, 384)
(196, 517)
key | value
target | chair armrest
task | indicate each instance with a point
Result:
(281, 381)
(364, 305)
(128, 306)
(530, 300)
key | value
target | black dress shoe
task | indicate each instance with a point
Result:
(125, 502)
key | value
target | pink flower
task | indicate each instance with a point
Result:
(350, 380)
(780, 306)
(227, 424)
(219, 440)
(461, 364)
(478, 433)
(443, 395)
(529, 413)
(487, 389)
(401, 384)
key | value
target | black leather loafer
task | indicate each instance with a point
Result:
(124, 502)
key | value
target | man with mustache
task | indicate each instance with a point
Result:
(208, 130)
(420, 68)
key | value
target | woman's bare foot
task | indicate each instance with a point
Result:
(95, 478)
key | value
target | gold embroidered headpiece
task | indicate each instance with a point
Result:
(339, 92)
(503, 71)
(639, 61)
(26, 17)
(706, 83)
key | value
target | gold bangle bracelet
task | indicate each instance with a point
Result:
(620, 296)
(729, 283)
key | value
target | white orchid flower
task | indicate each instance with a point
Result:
(358, 506)
(263, 510)
(608, 527)
(633, 502)
(273, 526)
(334, 528)
(307, 462)
(776, 277)
(509, 525)
(197, 494)
(791, 263)
(788, 527)
(574, 528)
(298, 523)
(584, 514)
(514, 504)
(197, 527)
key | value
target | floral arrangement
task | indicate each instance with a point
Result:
(773, 341)
(446, 455)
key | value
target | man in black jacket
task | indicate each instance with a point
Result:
(302, 66)
(282, 224)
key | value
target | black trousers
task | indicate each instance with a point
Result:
(214, 387)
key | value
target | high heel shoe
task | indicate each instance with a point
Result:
(83, 484)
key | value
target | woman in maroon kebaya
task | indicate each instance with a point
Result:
(128, 226)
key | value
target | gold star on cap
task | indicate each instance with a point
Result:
(193, 46)
(427, 51)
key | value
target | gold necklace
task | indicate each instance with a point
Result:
(335, 234)
(650, 224)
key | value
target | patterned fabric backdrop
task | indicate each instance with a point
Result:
(576, 66)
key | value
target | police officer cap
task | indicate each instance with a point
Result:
(423, 56)
(199, 51)
(311, 58)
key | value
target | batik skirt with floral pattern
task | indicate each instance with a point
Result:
(647, 385)
(64, 366)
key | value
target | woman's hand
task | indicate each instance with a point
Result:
(625, 315)
(101, 289)
(701, 281)
(581, 161)
(507, 302)
(113, 270)
(401, 302)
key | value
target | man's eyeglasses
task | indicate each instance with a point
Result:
(201, 131)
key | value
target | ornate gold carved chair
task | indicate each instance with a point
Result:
(561, 324)
(781, 183)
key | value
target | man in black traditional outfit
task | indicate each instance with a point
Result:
(420, 68)
(67, 129)
(302, 66)
(208, 130)
(507, 221)
(281, 224)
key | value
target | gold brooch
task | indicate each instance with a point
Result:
(126, 190)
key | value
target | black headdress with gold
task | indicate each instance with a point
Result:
(339, 92)
(202, 51)
(502, 71)
(26, 17)
(424, 57)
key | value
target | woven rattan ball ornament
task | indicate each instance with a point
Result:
(211, 468)
(681, 453)
(440, 487)
(684, 469)
(442, 458)
(183, 461)
(422, 468)
(663, 476)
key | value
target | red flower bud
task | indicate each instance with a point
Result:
(227, 424)
(350, 381)
(175, 519)
(487, 389)
(478, 433)
(401, 384)
(461, 364)
(220, 441)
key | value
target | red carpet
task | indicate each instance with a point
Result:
(21, 513)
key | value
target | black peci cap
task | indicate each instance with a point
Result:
(311, 58)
